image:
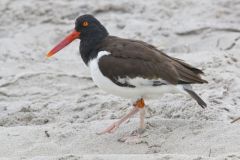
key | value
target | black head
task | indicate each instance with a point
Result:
(89, 27)
(89, 30)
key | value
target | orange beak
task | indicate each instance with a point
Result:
(72, 36)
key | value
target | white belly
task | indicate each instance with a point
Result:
(133, 93)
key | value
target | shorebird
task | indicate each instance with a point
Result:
(130, 68)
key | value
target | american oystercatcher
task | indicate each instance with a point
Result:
(130, 68)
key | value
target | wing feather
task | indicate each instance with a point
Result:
(133, 59)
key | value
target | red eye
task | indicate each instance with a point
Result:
(85, 24)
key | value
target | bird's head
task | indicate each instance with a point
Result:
(87, 27)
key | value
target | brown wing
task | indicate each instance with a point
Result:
(193, 69)
(133, 59)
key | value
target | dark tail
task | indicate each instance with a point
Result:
(196, 97)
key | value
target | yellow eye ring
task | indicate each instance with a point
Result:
(85, 24)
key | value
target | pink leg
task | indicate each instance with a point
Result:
(136, 136)
(142, 117)
(112, 128)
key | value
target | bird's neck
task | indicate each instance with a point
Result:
(88, 47)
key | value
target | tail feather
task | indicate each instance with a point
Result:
(196, 97)
(187, 75)
(193, 69)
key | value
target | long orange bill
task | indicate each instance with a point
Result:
(72, 36)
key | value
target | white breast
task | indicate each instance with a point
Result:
(145, 91)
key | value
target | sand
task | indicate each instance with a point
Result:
(51, 109)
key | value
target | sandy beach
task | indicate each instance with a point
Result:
(51, 109)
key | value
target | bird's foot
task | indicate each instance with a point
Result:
(111, 129)
(134, 138)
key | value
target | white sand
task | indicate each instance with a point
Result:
(51, 109)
